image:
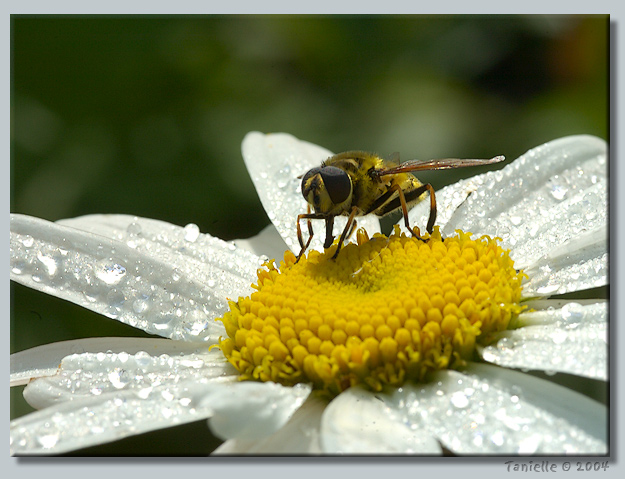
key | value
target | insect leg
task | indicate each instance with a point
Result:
(404, 198)
(299, 230)
(349, 227)
(432, 219)
(351, 231)
(329, 231)
(415, 194)
(307, 216)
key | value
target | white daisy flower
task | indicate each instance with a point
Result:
(398, 346)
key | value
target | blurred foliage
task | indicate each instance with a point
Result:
(145, 115)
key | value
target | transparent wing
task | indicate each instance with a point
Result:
(441, 164)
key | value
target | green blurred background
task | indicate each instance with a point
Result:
(145, 116)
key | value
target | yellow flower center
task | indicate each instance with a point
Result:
(385, 311)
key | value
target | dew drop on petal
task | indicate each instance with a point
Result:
(459, 400)
(134, 228)
(140, 305)
(572, 312)
(50, 264)
(559, 192)
(196, 324)
(143, 359)
(119, 378)
(48, 441)
(110, 272)
(191, 232)
(144, 393)
(28, 241)
(163, 321)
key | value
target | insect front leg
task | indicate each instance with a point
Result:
(299, 230)
(311, 216)
(329, 231)
(304, 247)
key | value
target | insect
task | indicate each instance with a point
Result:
(357, 183)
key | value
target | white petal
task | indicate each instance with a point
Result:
(220, 265)
(490, 410)
(45, 360)
(267, 243)
(92, 420)
(572, 339)
(548, 197)
(114, 279)
(274, 162)
(96, 374)
(548, 304)
(357, 422)
(259, 408)
(298, 436)
(253, 410)
(580, 263)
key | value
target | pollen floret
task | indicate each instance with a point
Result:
(385, 311)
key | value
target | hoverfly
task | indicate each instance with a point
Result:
(357, 183)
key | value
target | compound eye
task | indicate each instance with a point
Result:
(337, 183)
(307, 184)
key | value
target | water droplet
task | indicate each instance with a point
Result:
(28, 241)
(572, 312)
(167, 395)
(143, 359)
(89, 296)
(516, 220)
(48, 440)
(109, 272)
(140, 305)
(119, 378)
(459, 400)
(163, 321)
(497, 438)
(134, 228)
(197, 323)
(144, 393)
(191, 232)
(559, 192)
(50, 264)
